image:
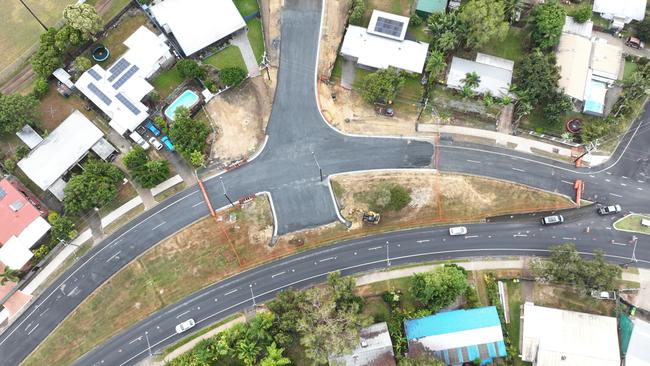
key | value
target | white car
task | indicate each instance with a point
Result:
(457, 230)
(139, 140)
(188, 324)
(156, 144)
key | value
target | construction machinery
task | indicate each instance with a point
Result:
(371, 217)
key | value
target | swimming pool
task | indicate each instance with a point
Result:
(595, 100)
(188, 99)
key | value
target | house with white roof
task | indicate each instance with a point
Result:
(561, 337)
(620, 12)
(383, 44)
(589, 66)
(197, 24)
(119, 90)
(375, 348)
(638, 352)
(495, 73)
(61, 150)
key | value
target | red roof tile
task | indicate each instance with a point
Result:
(16, 212)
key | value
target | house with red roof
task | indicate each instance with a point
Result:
(22, 224)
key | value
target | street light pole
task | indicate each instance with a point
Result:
(252, 294)
(633, 258)
(388, 253)
(224, 192)
(320, 170)
(146, 335)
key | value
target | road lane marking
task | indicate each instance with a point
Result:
(566, 238)
(423, 241)
(113, 256)
(326, 259)
(279, 274)
(198, 204)
(159, 225)
(615, 195)
(624, 185)
(28, 325)
(624, 177)
(375, 248)
(564, 181)
(45, 311)
(639, 188)
(183, 313)
(230, 292)
(519, 170)
(471, 236)
(607, 180)
(473, 161)
(33, 329)
(616, 243)
(135, 340)
(520, 235)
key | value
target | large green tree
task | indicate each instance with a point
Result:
(565, 265)
(382, 85)
(440, 287)
(49, 56)
(435, 65)
(147, 173)
(95, 187)
(447, 30)
(483, 20)
(190, 69)
(188, 134)
(547, 21)
(286, 308)
(16, 111)
(274, 357)
(83, 18)
(63, 229)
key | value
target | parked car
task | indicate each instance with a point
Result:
(457, 230)
(552, 220)
(609, 210)
(182, 327)
(151, 127)
(168, 143)
(156, 144)
(139, 140)
(634, 43)
(603, 295)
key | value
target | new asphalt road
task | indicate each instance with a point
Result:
(300, 144)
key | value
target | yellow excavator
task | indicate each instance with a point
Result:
(371, 217)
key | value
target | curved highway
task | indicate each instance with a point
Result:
(299, 143)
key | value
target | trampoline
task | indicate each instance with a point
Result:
(100, 53)
(573, 125)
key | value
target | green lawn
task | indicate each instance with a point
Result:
(420, 32)
(167, 81)
(246, 7)
(514, 313)
(538, 123)
(630, 68)
(115, 37)
(359, 75)
(633, 223)
(256, 38)
(337, 70)
(228, 57)
(512, 47)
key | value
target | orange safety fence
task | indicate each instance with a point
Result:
(579, 187)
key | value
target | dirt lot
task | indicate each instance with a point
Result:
(195, 257)
(240, 117)
(461, 197)
(361, 115)
(567, 298)
(333, 28)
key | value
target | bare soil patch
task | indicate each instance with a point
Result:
(271, 11)
(240, 117)
(333, 29)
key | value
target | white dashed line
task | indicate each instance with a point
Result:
(181, 314)
(326, 259)
(564, 181)
(520, 235)
(423, 241)
(230, 292)
(519, 170)
(374, 248)
(615, 195)
(33, 329)
(471, 236)
(198, 204)
(279, 274)
(159, 225)
(473, 161)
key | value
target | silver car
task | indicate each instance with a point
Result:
(156, 144)
(457, 230)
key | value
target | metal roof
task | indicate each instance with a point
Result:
(375, 348)
(432, 6)
(627, 10)
(494, 79)
(638, 351)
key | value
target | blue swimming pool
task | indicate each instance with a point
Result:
(188, 99)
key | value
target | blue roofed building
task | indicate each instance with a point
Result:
(458, 336)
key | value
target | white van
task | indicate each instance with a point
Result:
(139, 140)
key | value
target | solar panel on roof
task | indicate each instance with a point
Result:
(93, 88)
(389, 27)
(127, 103)
(117, 69)
(124, 78)
(3, 194)
(17, 205)
(95, 74)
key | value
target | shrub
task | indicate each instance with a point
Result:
(40, 253)
(415, 20)
(190, 69)
(10, 165)
(40, 87)
(232, 76)
(21, 152)
(356, 12)
(391, 197)
(582, 14)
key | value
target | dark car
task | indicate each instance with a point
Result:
(552, 220)
(151, 127)
(609, 210)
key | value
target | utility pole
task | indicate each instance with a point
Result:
(387, 253)
(320, 170)
(593, 145)
(252, 294)
(146, 335)
(633, 258)
(426, 101)
(34, 15)
(224, 192)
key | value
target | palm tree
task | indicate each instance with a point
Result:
(247, 352)
(435, 65)
(274, 357)
(472, 80)
(466, 92)
(10, 275)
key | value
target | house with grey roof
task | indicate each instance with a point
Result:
(374, 349)
(495, 73)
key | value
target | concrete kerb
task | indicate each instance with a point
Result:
(251, 158)
(625, 217)
(274, 239)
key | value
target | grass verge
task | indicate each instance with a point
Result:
(132, 214)
(196, 335)
(246, 7)
(632, 223)
(256, 38)
(169, 192)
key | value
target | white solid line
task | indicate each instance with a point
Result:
(615, 195)
(159, 225)
(423, 241)
(326, 259)
(564, 181)
(33, 329)
(374, 248)
(471, 236)
(198, 204)
(279, 274)
(474, 161)
(181, 314)
(519, 170)
(230, 292)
